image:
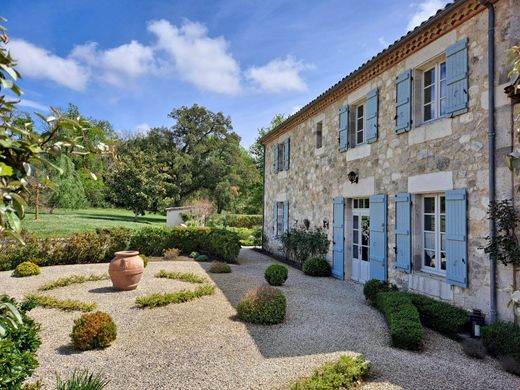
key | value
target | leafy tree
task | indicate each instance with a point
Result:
(68, 192)
(23, 148)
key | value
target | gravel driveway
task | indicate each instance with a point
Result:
(199, 345)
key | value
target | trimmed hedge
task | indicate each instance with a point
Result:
(316, 266)
(502, 339)
(441, 316)
(276, 274)
(264, 306)
(99, 247)
(235, 220)
(403, 319)
(374, 287)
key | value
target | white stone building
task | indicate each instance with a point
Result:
(411, 127)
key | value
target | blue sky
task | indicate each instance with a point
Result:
(131, 61)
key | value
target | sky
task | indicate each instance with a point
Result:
(132, 61)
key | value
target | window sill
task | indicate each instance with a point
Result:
(358, 152)
(441, 275)
(427, 131)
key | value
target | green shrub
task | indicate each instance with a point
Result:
(163, 299)
(316, 266)
(188, 239)
(276, 274)
(345, 373)
(219, 267)
(223, 244)
(441, 316)
(33, 300)
(82, 380)
(301, 243)
(374, 286)
(265, 306)
(117, 239)
(26, 269)
(78, 248)
(502, 339)
(145, 260)
(73, 279)
(93, 330)
(235, 220)
(194, 255)
(18, 345)
(403, 319)
(202, 258)
(149, 241)
(185, 277)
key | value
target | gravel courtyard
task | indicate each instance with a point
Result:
(199, 344)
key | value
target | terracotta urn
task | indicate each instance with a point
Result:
(126, 269)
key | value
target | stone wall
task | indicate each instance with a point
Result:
(447, 153)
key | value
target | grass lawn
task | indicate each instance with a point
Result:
(65, 222)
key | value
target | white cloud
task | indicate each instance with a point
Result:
(424, 10)
(295, 109)
(116, 65)
(39, 63)
(197, 58)
(142, 128)
(279, 75)
(383, 42)
(32, 104)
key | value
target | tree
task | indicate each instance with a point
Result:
(68, 192)
(23, 148)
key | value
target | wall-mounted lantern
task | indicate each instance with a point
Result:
(477, 321)
(352, 177)
(325, 224)
(306, 223)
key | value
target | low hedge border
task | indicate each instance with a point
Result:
(502, 339)
(99, 247)
(403, 320)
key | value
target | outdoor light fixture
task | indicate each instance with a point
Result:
(477, 321)
(325, 224)
(352, 177)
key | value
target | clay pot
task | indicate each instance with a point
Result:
(126, 269)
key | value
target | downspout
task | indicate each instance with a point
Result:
(491, 152)
(263, 203)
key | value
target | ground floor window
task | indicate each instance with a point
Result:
(434, 233)
(279, 218)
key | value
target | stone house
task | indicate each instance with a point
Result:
(393, 161)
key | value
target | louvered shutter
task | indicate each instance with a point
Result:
(287, 153)
(403, 237)
(457, 78)
(275, 163)
(286, 216)
(343, 128)
(275, 220)
(371, 115)
(456, 238)
(403, 103)
(378, 237)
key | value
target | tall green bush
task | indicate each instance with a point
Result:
(502, 339)
(301, 243)
(68, 192)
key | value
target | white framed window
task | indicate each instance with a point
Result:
(434, 233)
(359, 124)
(279, 218)
(319, 135)
(434, 92)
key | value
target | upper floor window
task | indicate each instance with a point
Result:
(319, 135)
(281, 156)
(434, 92)
(359, 123)
(434, 233)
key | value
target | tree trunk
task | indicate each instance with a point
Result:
(37, 209)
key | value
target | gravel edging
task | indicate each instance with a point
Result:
(200, 345)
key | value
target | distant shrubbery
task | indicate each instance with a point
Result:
(83, 248)
(235, 220)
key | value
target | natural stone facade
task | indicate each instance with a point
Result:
(444, 154)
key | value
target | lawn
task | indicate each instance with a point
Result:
(65, 222)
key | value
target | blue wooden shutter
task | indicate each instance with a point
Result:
(286, 216)
(403, 236)
(343, 128)
(275, 224)
(338, 237)
(275, 164)
(456, 238)
(287, 153)
(403, 102)
(457, 78)
(371, 113)
(378, 228)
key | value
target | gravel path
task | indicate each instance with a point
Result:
(199, 345)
